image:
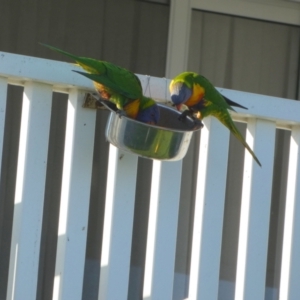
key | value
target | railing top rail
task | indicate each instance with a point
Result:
(19, 69)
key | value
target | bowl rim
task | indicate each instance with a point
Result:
(150, 125)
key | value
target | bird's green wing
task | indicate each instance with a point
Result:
(89, 64)
(125, 81)
(114, 77)
(124, 90)
(211, 93)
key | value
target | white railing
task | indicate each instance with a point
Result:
(40, 78)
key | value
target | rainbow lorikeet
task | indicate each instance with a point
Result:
(119, 86)
(203, 99)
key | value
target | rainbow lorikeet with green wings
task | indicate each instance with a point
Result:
(203, 99)
(119, 86)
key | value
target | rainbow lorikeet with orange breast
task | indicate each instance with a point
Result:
(119, 86)
(203, 99)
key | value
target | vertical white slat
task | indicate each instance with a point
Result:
(30, 189)
(118, 223)
(209, 210)
(162, 230)
(3, 95)
(75, 198)
(255, 212)
(290, 265)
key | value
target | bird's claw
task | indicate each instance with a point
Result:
(197, 123)
(184, 115)
(121, 113)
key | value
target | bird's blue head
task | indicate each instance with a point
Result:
(180, 93)
(149, 115)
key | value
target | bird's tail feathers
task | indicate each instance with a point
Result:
(227, 121)
(232, 103)
(88, 64)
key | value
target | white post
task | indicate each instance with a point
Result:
(290, 265)
(255, 212)
(209, 210)
(118, 222)
(75, 198)
(162, 230)
(3, 95)
(30, 189)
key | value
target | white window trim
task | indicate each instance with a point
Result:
(280, 11)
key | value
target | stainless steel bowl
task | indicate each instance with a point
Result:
(168, 140)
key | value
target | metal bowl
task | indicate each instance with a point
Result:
(168, 140)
